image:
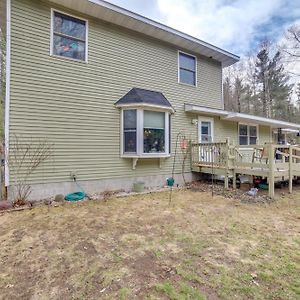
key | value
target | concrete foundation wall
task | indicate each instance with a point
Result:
(42, 191)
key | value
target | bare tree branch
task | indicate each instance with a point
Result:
(25, 156)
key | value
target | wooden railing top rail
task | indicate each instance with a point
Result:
(209, 144)
(250, 146)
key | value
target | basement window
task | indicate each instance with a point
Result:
(248, 134)
(145, 133)
(68, 36)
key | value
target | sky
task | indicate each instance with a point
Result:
(235, 25)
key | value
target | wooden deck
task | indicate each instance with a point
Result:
(274, 162)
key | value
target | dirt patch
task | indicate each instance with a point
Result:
(242, 196)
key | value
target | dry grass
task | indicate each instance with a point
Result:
(141, 248)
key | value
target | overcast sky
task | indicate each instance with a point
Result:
(235, 25)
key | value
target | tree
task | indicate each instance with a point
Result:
(291, 45)
(274, 82)
(238, 92)
(260, 85)
(263, 77)
(298, 94)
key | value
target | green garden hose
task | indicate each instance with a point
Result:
(73, 197)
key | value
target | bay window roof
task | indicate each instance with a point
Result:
(144, 98)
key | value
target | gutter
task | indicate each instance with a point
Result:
(7, 88)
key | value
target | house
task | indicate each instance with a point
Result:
(111, 90)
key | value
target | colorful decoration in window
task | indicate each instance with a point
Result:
(69, 36)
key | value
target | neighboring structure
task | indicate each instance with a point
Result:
(112, 89)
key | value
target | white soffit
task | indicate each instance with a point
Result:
(196, 109)
(241, 118)
(245, 118)
(114, 14)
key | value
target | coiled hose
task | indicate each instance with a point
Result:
(77, 196)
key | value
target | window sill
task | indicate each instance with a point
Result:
(156, 155)
(246, 147)
(135, 158)
(186, 84)
(69, 59)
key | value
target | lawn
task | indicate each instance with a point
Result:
(140, 247)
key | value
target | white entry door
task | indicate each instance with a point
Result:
(205, 135)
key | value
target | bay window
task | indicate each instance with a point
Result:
(145, 133)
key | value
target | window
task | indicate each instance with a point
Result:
(247, 134)
(154, 132)
(145, 132)
(187, 69)
(130, 131)
(206, 134)
(69, 36)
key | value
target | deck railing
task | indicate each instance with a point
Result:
(268, 160)
(210, 153)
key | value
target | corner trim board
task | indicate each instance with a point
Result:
(7, 89)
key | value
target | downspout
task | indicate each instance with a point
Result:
(7, 87)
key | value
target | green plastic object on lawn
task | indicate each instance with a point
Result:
(75, 196)
(170, 181)
(263, 186)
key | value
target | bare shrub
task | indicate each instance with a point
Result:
(24, 157)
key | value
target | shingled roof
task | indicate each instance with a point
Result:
(146, 97)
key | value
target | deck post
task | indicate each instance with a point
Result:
(226, 182)
(290, 169)
(191, 154)
(234, 179)
(271, 171)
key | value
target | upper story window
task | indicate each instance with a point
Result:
(247, 134)
(187, 69)
(69, 36)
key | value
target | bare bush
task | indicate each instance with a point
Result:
(24, 157)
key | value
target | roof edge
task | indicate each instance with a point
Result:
(235, 116)
(162, 26)
(111, 13)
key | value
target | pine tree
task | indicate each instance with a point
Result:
(276, 90)
(238, 90)
(263, 77)
(280, 89)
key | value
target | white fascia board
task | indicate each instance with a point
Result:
(130, 20)
(204, 110)
(161, 26)
(145, 105)
(239, 117)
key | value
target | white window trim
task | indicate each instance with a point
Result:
(275, 131)
(206, 119)
(140, 135)
(248, 133)
(52, 32)
(178, 69)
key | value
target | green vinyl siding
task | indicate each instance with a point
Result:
(72, 103)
